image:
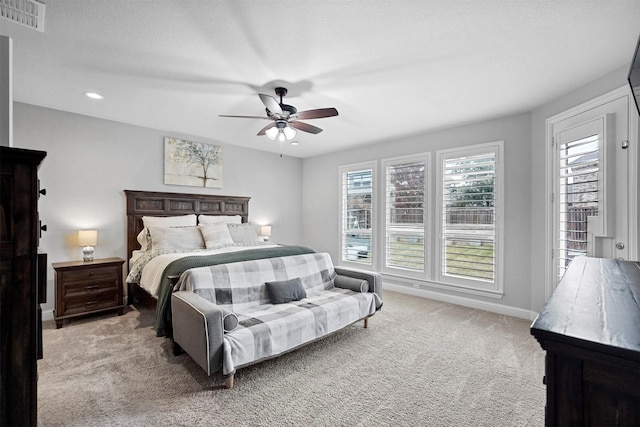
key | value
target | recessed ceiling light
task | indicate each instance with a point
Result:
(93, 95)
(294, 142)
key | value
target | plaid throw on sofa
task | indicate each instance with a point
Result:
(266, 330)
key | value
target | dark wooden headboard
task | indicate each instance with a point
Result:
(153, 203)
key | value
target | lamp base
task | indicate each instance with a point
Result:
(87, 253)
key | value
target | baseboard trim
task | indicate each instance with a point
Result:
(423, 293)
(463, 301)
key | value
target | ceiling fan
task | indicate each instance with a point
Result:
(285, 118)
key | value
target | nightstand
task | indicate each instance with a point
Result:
(90, 287)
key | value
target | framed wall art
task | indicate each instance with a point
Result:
(192, 163)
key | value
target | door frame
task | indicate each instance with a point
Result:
(632, 192)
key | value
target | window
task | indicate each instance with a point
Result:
(580, 191)
(405, 213)
(449, 238)
(470, 208)
(357, 213)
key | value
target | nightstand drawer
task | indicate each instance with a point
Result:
(84, 304)
(90, 275)
(72, 289)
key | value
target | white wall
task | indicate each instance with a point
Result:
(6, 91)
(321, 198)
(91, 161)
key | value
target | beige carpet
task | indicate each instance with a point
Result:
(420, 363)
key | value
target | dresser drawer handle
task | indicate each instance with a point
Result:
(91, 303)
(92, 287)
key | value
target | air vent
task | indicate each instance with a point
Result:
(29, 13)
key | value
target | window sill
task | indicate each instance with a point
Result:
(430, 285)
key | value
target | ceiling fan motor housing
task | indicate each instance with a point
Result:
(281, 92)
(288, 108)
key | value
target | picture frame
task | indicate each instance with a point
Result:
(193, 164)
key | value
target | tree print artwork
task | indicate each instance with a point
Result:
(192, 163)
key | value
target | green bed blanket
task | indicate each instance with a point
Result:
(177, 267)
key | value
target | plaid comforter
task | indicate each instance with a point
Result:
(264, 329)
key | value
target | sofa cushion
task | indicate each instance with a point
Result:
(268, 330)
(240, 286)
(286, 291)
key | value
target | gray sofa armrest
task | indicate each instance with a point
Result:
(374, 279)
(198, 328)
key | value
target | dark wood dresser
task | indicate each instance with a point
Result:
(22, 285)
(590, 329)
(87, 287)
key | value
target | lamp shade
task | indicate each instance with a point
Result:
(289, 132)
(272, 133)
(265, 230)
(87, 237)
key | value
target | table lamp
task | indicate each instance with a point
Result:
(88, 239)
(265, 232)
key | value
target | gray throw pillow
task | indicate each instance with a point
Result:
(229, 320)
(286, 291)
(356, 285)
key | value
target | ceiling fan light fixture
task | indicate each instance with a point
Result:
(272, 133)
(289, 132)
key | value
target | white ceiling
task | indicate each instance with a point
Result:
(391, 68)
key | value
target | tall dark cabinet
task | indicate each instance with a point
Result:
(22, 285)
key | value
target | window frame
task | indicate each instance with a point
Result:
(343, 170)
(496, 286)
(425, 158)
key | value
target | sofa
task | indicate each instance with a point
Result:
(232, 315)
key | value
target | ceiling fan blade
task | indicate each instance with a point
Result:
(305, 127)
(244, 117)
(271, 104)
(317, 114)
(266, 128)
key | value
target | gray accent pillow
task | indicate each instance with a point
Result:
(229, 320)
(356, 285)
(286, 291)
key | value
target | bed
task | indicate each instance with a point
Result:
(150, 271)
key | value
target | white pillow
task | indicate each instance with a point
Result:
(169, 238)
(243, 233)
(169, 221)
(214, 219)
(215, 234)
(144, 240)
